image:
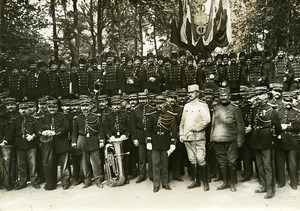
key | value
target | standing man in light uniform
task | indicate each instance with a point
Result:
(195, 118)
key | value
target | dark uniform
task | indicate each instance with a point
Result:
(65, 83)
(36, 85)
(233, 74)
(14, 82)
(19, 132)
(151, 76)
(209, 75)
(227, 133)
(266, 122)
(257, 75)
(133, 79)
(161, 133)
(174, 75)
(55, 147)
(117, 124)
(287, 145)
(88, 134)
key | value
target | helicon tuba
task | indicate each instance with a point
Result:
(114, 162)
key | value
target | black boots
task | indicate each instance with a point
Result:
(204, 176)
(196, 181)
(225, 184)
(232, 175)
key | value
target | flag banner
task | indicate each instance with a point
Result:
(202, 25)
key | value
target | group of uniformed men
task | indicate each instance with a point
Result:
(215, 112)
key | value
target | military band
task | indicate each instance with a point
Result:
(108, 121)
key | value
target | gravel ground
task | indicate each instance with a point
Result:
(140, 197)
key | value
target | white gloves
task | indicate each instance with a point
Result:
(152, 79)
(4, 142)
(136, 142)
(171, 150)
(30, 137)
(181, 139)
(123, 137)
(248, 129)
(284, 126)
(101, 143)
(149, 146)
(74, 145)
(112, 138)
(48, 133)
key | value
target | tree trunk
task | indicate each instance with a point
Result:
(2, 29)
(154, 37)
(141, 32)
(76, 31)
(135, 29)
(93, 36)
(54, 32)
(99, 26)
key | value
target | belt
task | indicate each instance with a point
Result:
(260, 127)
(81, 134)
(161, 133)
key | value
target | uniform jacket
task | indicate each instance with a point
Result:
(138, 124)
(113, 79)
(117, 124)
(81, 82)
(36, 84)
(265, 126)
(195, 116)
(22, 126)
(162, 129)
(227, 124)
(152, 71)
(289, 137)
(65, 79)
(60, 124)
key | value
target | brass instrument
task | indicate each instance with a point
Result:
(114, 162)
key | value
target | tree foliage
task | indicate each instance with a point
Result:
(90, 27)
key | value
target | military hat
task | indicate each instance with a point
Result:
(261, 90)
(42, 101)
(181, 92)
(181, 53)
(23, 105)
(232, 55)
(174, 55)
(52, 103)
(160, 99)
(142, 95)
(242, 54)
(159, 57)
(94, 61)
(82, 61)
(287, 96)
(65, 102)
(276, 86)
(193, 87)
(137, 57)
(85, 102)
(243, 88)
(190, 58)
(224, 90)
(41, 64)
(171, 93)
(133, 96)
(82, 97)
(219, 56)
(152, 95)
(166, 59)
(51, 62)
(109, 54)
(3, 96)
(116, 99)
(74, 102)
(254, 54)
(150, 55)
(102, 97)
(10, 100)
(123, 54)
(208, 91)
(250, 92)
(125, 97)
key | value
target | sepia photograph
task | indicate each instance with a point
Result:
(149, 105)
